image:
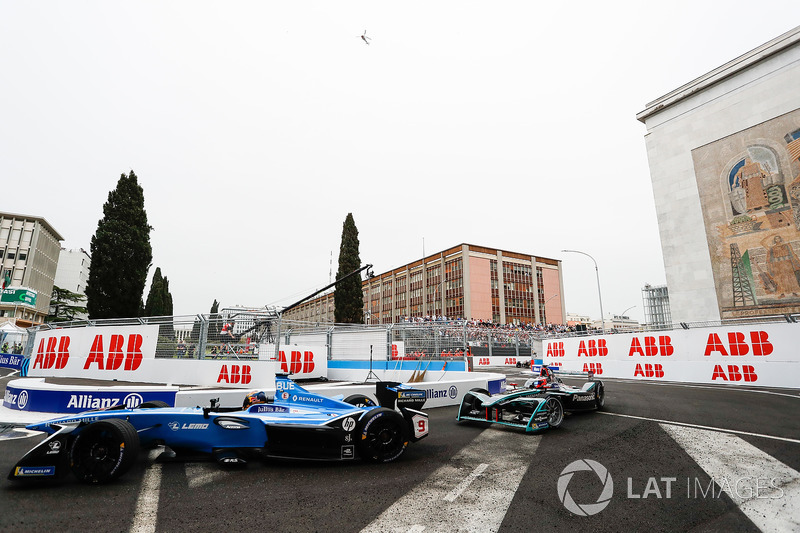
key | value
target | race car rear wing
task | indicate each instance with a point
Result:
(557, 370)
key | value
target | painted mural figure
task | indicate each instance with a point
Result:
(783, 266)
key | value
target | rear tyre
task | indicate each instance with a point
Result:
(384, 435)
(104, 450)
(600, 395)
(154, 404)
(360, 400)
(555, 412)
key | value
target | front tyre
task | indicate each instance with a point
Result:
(599, 395)
(104, 450)
(384, 435)
(555, 412)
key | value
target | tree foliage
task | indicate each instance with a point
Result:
(121, 253)
(348, 298)
(159, 299)
(65, 305)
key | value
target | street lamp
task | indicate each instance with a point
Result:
(625, 311)
(597, 271)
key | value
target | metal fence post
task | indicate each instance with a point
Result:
(329, 339)
(389, 342)
(202, 339)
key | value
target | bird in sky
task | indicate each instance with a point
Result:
(365, 38)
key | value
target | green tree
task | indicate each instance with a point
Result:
(156, 304)
(65, 305)
(348, 298)
(121, 253)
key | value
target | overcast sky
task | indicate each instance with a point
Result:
(255, 127)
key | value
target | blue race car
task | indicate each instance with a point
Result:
(100, 446)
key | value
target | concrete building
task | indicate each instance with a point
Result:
(72, 273)
(29, 251)
(723, 153)
(465, 281)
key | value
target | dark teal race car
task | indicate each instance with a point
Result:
(99, 446)
(538, 404)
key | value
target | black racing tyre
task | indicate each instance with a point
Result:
(153, 404)
(384, 435)
(600, 395)
(104, 450)
(360, 400)
(477, 403)
(555, 411)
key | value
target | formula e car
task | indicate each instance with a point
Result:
(538, 404)
(99, 446)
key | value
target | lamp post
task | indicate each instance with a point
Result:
(599, 294)
(625, 311)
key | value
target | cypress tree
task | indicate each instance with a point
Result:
(156, 304)
(348, 298)
(121, 253)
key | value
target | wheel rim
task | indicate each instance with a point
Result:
(385, 438)
(556, 412)
(96, 455)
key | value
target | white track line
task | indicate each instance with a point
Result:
(697, 426)
(765, 490)
(200, 474)
(471, 492)
(146, 515)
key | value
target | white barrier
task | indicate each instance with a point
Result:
(761, 354)
(486, 362)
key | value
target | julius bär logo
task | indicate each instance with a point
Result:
(585, 509)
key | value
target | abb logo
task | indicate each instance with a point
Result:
(297, 362)
(47, 356)
(597, 368)
(555, 349)
(118, 352)
(395, 353)
(238, 374)
(511, 361)
(592, 348)
(651, 348)
(483, 361)
(649, 371)
(737, 344)
(747, 373)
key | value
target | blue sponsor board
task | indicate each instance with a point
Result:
(12, 361)
(496, 386)
(66, 401)
(34, 471)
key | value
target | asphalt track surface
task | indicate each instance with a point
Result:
(681, 458)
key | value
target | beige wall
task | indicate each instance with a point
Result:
(480, 286)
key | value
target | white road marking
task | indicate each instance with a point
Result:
(731, 388)
(146, 515)
(200, 474)
(765, 490)
(697, 426)
(471, 492)
(456, 492)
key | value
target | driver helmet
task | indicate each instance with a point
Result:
(253, 398)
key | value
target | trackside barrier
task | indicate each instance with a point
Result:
(442, 388)
(750, 354)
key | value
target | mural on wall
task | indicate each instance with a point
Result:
(749, 185)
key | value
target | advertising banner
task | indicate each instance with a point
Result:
(484, 362)
(302, 362)
(113, 352)
(758, 354)
(18, 297)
